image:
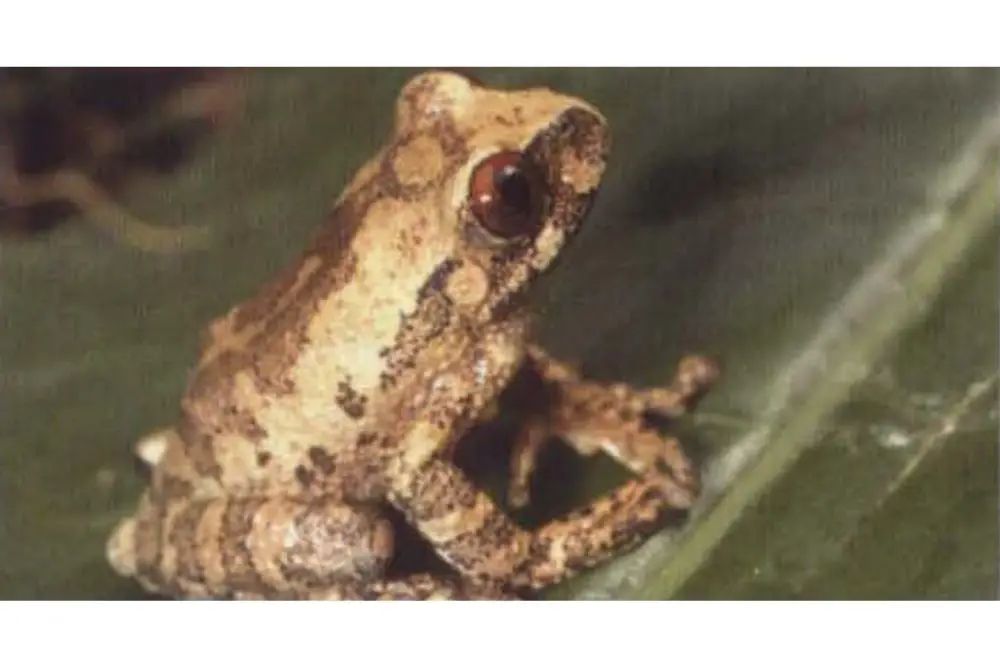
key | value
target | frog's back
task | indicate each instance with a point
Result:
(257, 413)
(313, 373)
(302, 378)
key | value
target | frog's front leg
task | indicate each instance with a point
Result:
(265, 548)
(472, 534)
(467, 529)
(594, 417)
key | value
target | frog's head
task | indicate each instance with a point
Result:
(523, 167)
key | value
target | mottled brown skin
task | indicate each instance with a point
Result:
(345, 383)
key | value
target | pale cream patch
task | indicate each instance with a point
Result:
(468, 286)
(460, 522)
(365, 316)
(419, 161)
(293, 424)
(548, 245)
(419, 444)
(448, 95)
(557, 550)
(235, 457)
(120, 548)
(151, 448)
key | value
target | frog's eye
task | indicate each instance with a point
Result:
(505, 195)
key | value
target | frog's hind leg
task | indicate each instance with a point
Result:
(594, 417)
(232, 547)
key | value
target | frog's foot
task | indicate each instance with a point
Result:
(415, 587)
(120, 548)
(594, 417)
(609, 526)
(233, 547)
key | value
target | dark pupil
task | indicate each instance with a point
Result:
(515, 191)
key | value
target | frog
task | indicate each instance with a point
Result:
(336, 394)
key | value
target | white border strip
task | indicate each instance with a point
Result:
(502, 32)
(487, 634)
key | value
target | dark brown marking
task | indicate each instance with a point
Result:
(323, 461)
(361, 482)
(467, 549)
(428, 322)
(464, 552)
(500, 528)
(455, 147)
(263, 458)
(301, 577)
(414, 96)
(438, 280)
(237, 559)
(149, 529)
(350, 400)
(166, 486)
(632, 531)
(202, 420)
(304, 475)
(184, 538)
(436, 495)
(245, 423)
(199, 448)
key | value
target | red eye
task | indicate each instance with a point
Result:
(505, 195)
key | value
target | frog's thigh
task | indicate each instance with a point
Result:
(252, 547)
